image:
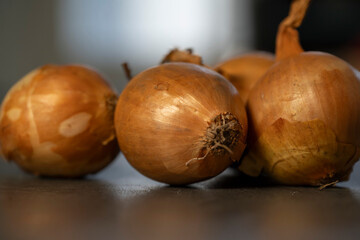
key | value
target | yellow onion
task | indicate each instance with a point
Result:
(245, 70)
(304, 114)
(176, 55)
(58, 121)
(180, 123)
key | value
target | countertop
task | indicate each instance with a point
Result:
(119, 203)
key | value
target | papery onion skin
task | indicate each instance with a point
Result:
(245, 70)
(162, 118)
(58, 121)
(322, 87)
(307, 87)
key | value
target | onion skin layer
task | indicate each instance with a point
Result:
(162, 118)
(245, 70)
(317, 96)
(58, 121)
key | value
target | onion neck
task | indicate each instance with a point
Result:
(287, 39)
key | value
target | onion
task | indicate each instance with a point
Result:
(245, 70)
(58, 121)
(180, 123)
(176, 55)
(304, 114)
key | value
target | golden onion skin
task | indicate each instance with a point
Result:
(163, 118)
(245, 70)
(58, 121)
(305, 120)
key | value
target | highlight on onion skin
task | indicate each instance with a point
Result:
(58, 121)
(304, 114)
(245, 70)
(180, 123)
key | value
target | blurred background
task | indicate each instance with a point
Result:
(104, 34)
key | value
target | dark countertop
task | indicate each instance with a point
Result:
(119, 203)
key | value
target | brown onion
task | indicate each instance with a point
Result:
(58, 121)
(304, 114)
(180, 123)
(176, 55)
(245, 70)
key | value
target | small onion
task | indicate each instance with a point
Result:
(245, 70)
(58, 121)
(180, 123)
(304, 114)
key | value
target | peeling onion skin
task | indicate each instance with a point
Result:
(245, 70)
(163, 116)
(57, 121)
(304, 114)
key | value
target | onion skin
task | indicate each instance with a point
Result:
(301, 153)
(58, 121)
(187, 56)
(315, 91)
(322, 87)
(163, 116)
(245, 70)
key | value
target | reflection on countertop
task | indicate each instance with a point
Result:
(118, 203)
